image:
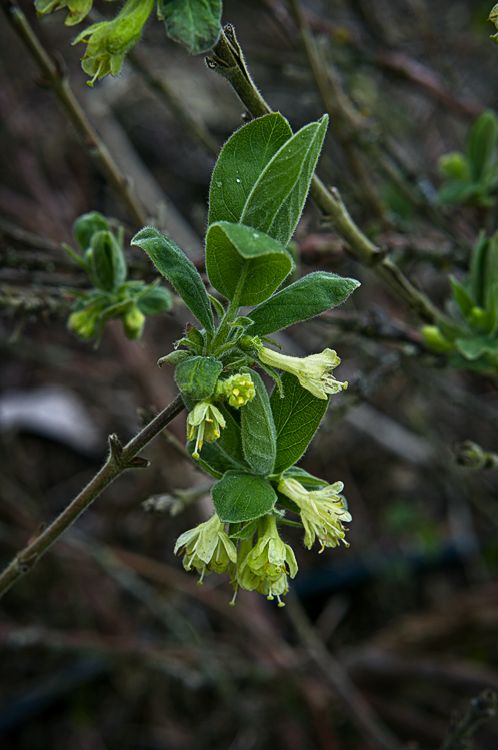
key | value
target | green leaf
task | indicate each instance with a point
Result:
(181, 273)
(473, 348)
(85, 227)
(196, 377)
(106, 261)
(305, 298)
(481, 146)
(297, 417)
(194, 23)
(258, 429)
(478, 262)
(462, 297)
(240, 163)
(456, 192)
(276, 201)
(242, 497)
(154, 300)
(243, 259)
(491, 275)
(224, 454)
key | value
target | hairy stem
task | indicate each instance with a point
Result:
(119, 459)
(228, 60)
(54, 75)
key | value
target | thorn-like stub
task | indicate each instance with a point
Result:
(116, 449)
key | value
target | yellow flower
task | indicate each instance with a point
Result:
(205, 423)
(238, 389)
(322, 512)
(109, 41)
(265, 566)
(207, 547)
(313, 372)
(77, 10)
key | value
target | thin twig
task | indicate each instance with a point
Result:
(228, 60)
(58, 81)
(119, 459)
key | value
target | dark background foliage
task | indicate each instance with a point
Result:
(108, 643)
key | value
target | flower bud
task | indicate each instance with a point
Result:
(83, 323)
(435, 340)
(237, 389)
(133, 322)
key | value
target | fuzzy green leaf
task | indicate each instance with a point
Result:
(258, 429)
(242, 497)
(106, 261)
(196, 377)
(154, 300)
(305, 298)
(297, 417)
(241, 161)
(86, 226)
(243, 259)
(181, 273)
(194, 23)
(276, 201)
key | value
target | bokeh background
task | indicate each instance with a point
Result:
(108, 642)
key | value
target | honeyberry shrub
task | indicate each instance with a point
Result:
(194, 23)
(247, 437)
(470, 339)
(101, 255)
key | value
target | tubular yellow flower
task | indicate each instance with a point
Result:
(205, 423)
(77, 10)
(109, 41)
(322, 511)
(207, 547)
(313, 372)
(238, 389)
(265, 566)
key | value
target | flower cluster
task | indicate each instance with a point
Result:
(237, 389)
(263, 562)
(253, 554)
(263, 566)
(205, 421)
